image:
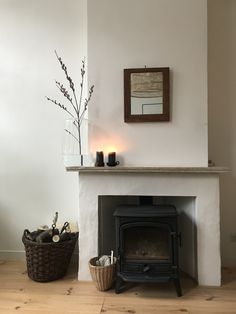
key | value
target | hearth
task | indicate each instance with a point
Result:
(147, 242)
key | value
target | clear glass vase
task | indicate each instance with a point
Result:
(75, 147)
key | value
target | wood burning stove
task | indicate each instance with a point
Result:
(147, 242)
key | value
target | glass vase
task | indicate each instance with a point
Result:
(75, 152)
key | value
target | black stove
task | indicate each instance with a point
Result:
(147, 242)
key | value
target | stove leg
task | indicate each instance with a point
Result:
(178, 287)
(119, 287)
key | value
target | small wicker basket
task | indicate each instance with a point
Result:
(103, 276)
(48, 261)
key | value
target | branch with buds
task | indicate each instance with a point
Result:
(77, 108)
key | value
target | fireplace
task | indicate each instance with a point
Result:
(199, 185)
(147, 241)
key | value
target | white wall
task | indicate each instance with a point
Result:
(33, 180)
(222, 113)
(125, 34)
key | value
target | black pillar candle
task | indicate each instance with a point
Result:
(112, 158)
(99, 159)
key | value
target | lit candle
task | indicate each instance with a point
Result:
(112, 158)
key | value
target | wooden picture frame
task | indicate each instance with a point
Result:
(146, 95)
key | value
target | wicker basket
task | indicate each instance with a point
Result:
(48, 261)
(103, 276)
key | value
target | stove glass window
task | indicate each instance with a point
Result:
(147, 243)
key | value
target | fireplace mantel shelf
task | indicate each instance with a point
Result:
(120, 169)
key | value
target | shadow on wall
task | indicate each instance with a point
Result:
(222, 113)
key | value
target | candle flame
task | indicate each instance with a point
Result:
(115, 145)
(110, 149)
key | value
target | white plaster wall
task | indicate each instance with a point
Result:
(222, 113)
(125, 34)
(33, 180)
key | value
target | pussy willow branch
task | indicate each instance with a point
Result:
(76, 105)
(66, 94)
(63, 90)
(78, 121)
(86, 103)
(82, 71)
(71, 83)
(64, 68)
(72, 135)
(61, 106)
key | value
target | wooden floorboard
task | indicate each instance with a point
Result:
(19, 294)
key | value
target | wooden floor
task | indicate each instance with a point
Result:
(19, 294)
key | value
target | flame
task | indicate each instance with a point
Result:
(108, 145)
(110, 149)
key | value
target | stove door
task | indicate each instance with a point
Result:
(146, 241)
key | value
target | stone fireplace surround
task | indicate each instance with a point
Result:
(199, 182)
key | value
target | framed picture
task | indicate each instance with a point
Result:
(146, 95)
